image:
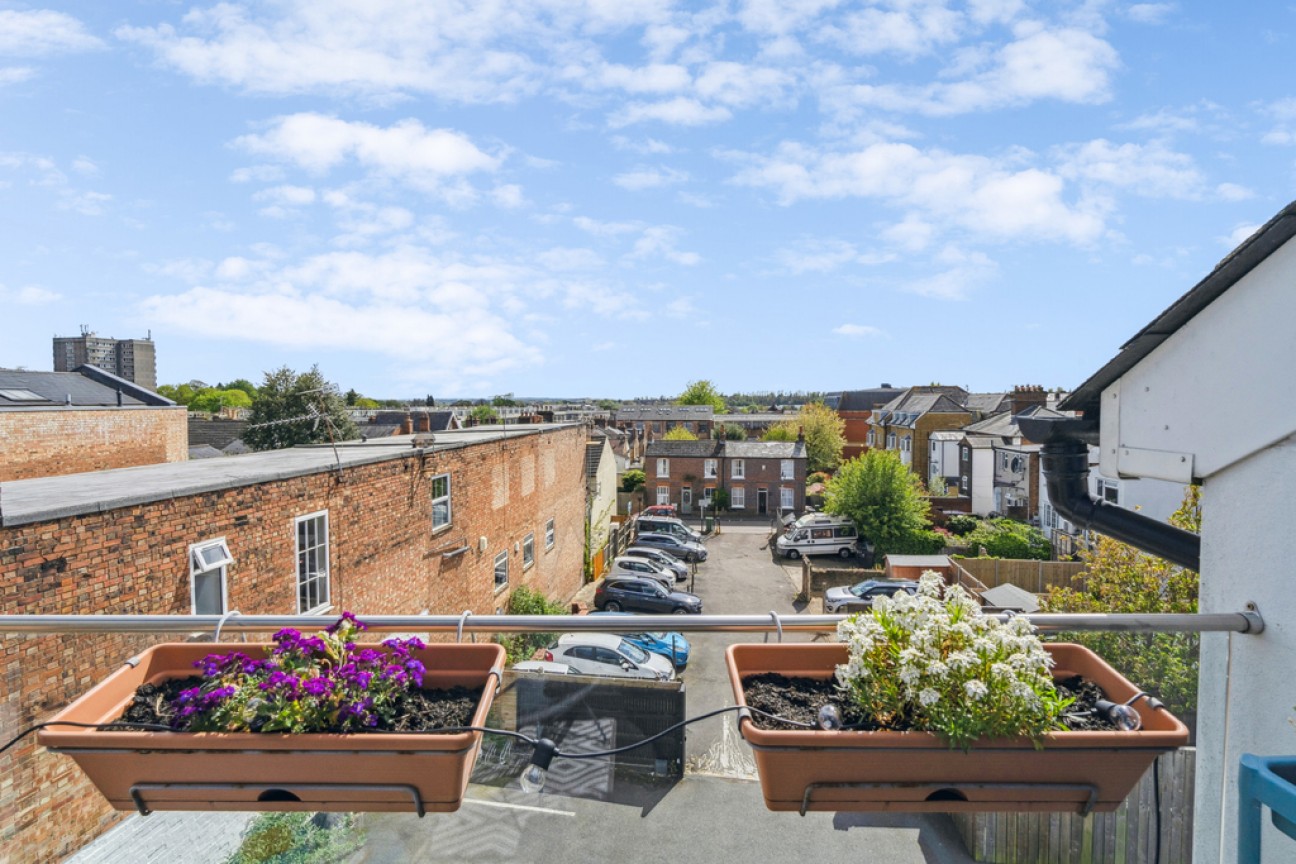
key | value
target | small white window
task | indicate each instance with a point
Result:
(708, 493)
(312, 562)
(785, 469)
(528, 551)
(738, 497)
(549, 534)
(207, 588)
(501, 571)
(739, 469)
(663, 495)
(663, 467)
(785, 498)
(440, 502)
(709, 468)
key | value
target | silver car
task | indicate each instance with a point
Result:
(608, 654)
(642, 568)
(674, 545)
(860, 596)
(661, 558)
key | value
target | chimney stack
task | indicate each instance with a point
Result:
(1026, 395)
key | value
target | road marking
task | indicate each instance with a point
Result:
(518, 807)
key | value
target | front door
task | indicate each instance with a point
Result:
(686, 499)
(762, 501)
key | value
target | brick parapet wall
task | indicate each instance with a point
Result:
(384, 559)
(51, 442)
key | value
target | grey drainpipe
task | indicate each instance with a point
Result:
(1065, 458)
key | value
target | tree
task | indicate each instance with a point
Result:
(884, 499)
(240, 384)
(608, 404)
(1120, 578)
(702, 392)
(429, 401)
(679, 433)
(212, 400)
(504, 400)
(729, 432)
(293, 409)
(181, 394)
(825, 435)
(632, 480)
(484, 414)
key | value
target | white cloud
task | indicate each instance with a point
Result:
(15, 74)
(974, 193)
(605, 229)
(681, 307)
(739, 85)
(857, 331)
(964, 271)
(42, 32)
(660, 241)
(508, 196)
(649, 178)
(257, 173)
(1149, 13)
(564, 258)
(29, 295)
(1233, 192)
(677, 112)
(1150, 170)
(817, 256)
(292, 196)
(647, 146)
(1068, 65)
(1283, 111)
(654, 78)
(908, 29)
(1239, 234)
(913, 234)
(405, 150)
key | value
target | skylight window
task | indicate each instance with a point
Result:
(22, 396)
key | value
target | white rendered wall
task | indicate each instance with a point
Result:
(982, 481)
(1248, 683)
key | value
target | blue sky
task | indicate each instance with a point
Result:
(611, 197)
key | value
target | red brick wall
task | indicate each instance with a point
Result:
(856, 433)
(74, 440)
(384, 559)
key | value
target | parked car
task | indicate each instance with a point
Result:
(661, 558)
(860, 596)
(826, 535)
(666, 525)
(543, 667)
(673, 646)
(608, 654)
(642, 568)
(644, 595)
(685, 549)
(662, 510)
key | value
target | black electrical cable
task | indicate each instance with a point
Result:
(148, 727)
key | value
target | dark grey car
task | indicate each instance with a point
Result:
(644, 595)
(674, 545)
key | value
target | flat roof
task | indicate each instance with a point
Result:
(43, 498)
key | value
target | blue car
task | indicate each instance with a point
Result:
(672, 646)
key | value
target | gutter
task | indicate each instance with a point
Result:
(1065, 459)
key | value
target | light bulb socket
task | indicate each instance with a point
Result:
(544, 753)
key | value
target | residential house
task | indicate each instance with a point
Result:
(761, 477)
(600, 502)
(88, 420)
(651, 422)
(384, 424)
(755, 424)
(397, 526)
(856, 408)
(1230, 339)
(905, 423)
(943, 459)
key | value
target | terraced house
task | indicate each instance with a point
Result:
(760, 477)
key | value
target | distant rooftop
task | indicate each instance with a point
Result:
(87, 387)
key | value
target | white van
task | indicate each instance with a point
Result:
(822, 535)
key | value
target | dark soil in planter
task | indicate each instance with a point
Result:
(417, 710)
(799, 699)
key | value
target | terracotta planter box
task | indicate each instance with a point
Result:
(273, 771)
(917, 772)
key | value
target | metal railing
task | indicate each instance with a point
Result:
(1248, 621)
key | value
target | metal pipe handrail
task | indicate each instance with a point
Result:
(1248, 621)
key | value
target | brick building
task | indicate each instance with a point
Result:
(132, 359)
(377, 528)
(653, 421)
(87, 420)
(856, 408)
(761, 477)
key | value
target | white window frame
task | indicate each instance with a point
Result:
(708, 493)
(787, 499)
(787, 471)
(442, 499)
(709, 468)
(528, 551)
(501, 558)
(549, 535)
(870, 438)
(738, 498)
(319, 552)
(739, 469)
(217, 569)
(891, 441)
(663, 467)
(663, 495)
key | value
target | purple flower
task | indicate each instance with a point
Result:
(317, 686)
(347, 616)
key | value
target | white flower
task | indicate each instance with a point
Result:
(937, 669)
(975, 689)
(928, 697)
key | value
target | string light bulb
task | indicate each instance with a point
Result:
(534, 777)
(1123, 717)
(830, 718)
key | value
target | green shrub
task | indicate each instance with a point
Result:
(961, 523)
(1006, 538)
(918, 543)
(524, 601)
(297, 838)
(816, 477)
(632, 480)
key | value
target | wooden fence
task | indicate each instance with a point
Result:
(1126, 836)
(1034, 576)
